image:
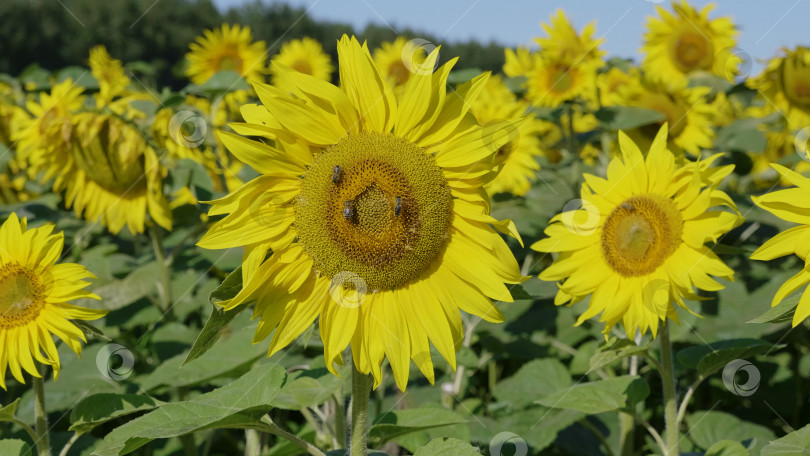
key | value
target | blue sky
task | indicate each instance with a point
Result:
(764, 26)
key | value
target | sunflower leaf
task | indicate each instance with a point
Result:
(627, 117)
(240, 404)
(780, 313)
(709, 358)
(794, 443)
(14, 447)
(600, 396)
(441, 446)
(7, 411)
(614, 351)
(401, 422)
(100, 408)
(727, 448)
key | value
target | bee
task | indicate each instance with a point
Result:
(398, 207)
(347, 210)
(628, 206)
(336, 174)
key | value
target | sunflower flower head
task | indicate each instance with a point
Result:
(637, 245)
(306, 56)
(35, 295)
(519, 62)
(372, 211)
(565, 43)
(394, 59)
(230, 47)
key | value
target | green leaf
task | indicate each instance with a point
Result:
(100, 408)
(442, 447)
(614, 351)
(222, 81)
(240, 404)
(460, 76)
(742, 135)
(727, 448)
(343, 452)
(14, 447)
(138, 284)
(708, 428)
(541, 377)
(797, 442)
(189, 173)
(401, 422)
(782, 312)
(627, 117)
(219, 318)
(309, 388)
(709, 358)
(8, 411)
(600, 396)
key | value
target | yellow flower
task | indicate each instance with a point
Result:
(685, 110)
(614, 81)
(34, 299)
(230, 47)
(519, 62)
(676, 45)
(374, 211)
(554, 81)
(518, 157)
(394, 58)
(564, 43)
(791, 205)
(109, 73)
(637, 244)
(305, 56)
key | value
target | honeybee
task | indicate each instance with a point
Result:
(628, 206)
(347, 210)
(336, 174)
(398, 207)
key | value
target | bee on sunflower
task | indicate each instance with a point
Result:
(373, 213)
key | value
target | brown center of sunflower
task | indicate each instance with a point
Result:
(374, 205)
(691, 50)
(561, 79)
(108, 157)
(398, 72)
(640, 234)
(230, 60)
(675, 114)
(22, 295)
(302, 66)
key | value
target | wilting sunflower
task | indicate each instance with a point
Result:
(304, 56)
(375, 214)
(637, 244)
(230, 47)
(397, 60)
(519, 62)
(685, 110)
(518, 157)
(34, 299)
(676, 45)
(564, 43)
(792, 205)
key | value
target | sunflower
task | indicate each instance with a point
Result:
(519, 156)
(519, 62)
(398, 59)
(791, 205)
(676, 45)
(109, 73)
(614, 81)
(685, 109)
(564, 43)
(305, 56)
(374, 211)
(553, 81)
(637, 244)
(34, 296)
(230, 47)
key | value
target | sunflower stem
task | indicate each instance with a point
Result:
(40, 415)
(361, 390)
(165, 285)
(668, 381)
(626, 422)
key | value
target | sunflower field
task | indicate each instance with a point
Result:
(392, 252)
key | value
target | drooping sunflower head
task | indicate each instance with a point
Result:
(374, 211)
(230, 47)
(35, 293)
(785, 82)
(304, 56)
(564, 43)
(396, 60)
(680, 43)
(637, 245)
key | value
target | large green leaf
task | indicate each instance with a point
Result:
(138, 284)
(709, 358)
(600, 396)
(444, 447)
(100, 408)
(795, 443)
(14, 447)
(309, 388)
(536, 379)
(742, 135)
(614, 351)
(727, 448)
(401, 422)
(782, 312)
(240, 404)
(706, 428)
(627, 117)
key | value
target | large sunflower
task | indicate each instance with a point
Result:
(375, 214)
(792, 205)
(305, 56)
(679, 44)
(518, 157)
(637, 244)
(230, 47)
(34, 296)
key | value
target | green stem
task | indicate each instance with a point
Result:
(340, 416)
(253, 445)
(165, 286)
(69, 444)
(361, 390)
(626, 422)
(270, 427)
(668, 381)
(41, 416)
